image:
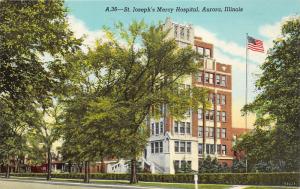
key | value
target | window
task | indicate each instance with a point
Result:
(182, 127)
(210, 148)
(223, 80)
(156, 128)
(198, 77)
(182, 146)
(200, 50)
(223, 116)
(161, 147)
(188, 127)
(161, 127)
(207, 115)
(206, 131)
(188, 147)
(224, 149)
(176, 127)
(176, 146)
(182, 32)
(200, 148)
(219, 148)
(211, 132)
(218, 99)
(211, 78)
(218, 116)
(152, 129)
(218, 132)
(207, 52)
(200, 114)
(200, 131)
(211, 115)
(223, 134)
(156, 147)
(176, 30)
(152, 147)
(206, 77)
(223, 101)
(218, 82)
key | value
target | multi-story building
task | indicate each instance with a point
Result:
(172, 142)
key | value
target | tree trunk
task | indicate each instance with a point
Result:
(86, 172)
(133, 176)
(7, 175)
(49, 164)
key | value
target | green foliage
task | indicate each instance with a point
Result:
(238, 166)
(276, 137)
(209, 165)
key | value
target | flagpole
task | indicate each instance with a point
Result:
(246, 96)
(246, 92)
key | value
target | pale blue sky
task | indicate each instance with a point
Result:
(261, 19)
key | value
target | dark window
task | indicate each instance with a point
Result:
(207, 115)
(188, 127)
(224, 149)
(206, 77)
(223, 80)
(152, 130)
(182, 146)
(152, 147)
(223, 133)
(156, 128)
(219, 148)
(176, 164)
(223, 116)
(211, 132)
(188, 147)
(176, 146)
(200, 131)
(211, 78)
(211, 115)
(182, 127)
(200, 148)
(161, 127)
(161, 147)
(176, 127)
(156, 147)
(223, 101)
(199, 76)
(218, 79)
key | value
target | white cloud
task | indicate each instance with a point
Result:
(81, 30)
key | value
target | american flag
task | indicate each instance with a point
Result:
(255, 44)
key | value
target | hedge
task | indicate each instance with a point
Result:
(280, 179)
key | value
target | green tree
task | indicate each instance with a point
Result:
(136, 75)
(277, 106)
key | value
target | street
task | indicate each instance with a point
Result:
(30, 184)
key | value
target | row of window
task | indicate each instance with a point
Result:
(183, 146)
(209, 78)
(182, 127)
(209, 132)
(210, 115)
(176, 28)
(157, 147)
(157, 128)
(210, 149)
(203, 51)
(220, 99)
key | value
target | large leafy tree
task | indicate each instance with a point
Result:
(278, 104)
(124, 77)
(34, 38)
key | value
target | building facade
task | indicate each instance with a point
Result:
(177, 143)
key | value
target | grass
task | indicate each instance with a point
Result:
(267, 187)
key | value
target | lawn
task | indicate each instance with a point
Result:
(267, 187)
